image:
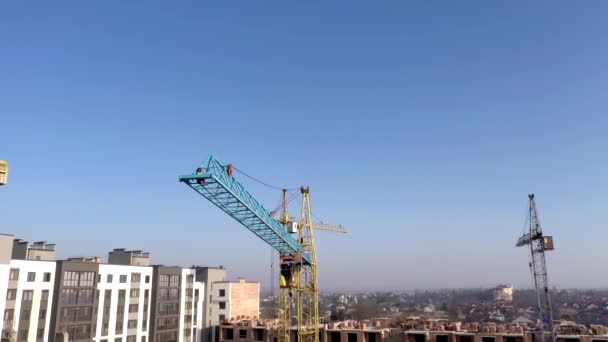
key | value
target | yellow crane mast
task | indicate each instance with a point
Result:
(307, 286)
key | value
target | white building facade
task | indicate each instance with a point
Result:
(28, 300)
(124, 304)
(191, 308)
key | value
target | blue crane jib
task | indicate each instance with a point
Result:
(216, 183)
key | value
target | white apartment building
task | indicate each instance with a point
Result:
(29, 295)
(6, 244)
(191, 310)
(124, 302)
(27, 280)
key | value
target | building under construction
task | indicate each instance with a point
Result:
(413, 330)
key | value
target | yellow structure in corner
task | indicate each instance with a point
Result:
(3, 172)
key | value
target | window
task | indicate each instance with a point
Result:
(99, 278)
(118, 339)
(135, 277)
(40, 333)
(11, 294)
(14, 275)
(27, 295)
(222, 293)
(259, 334)
(143, 339)
(121, 294)
(168, 322)
(67, 296)
(42, 314)
(133, 308)
(170, 336)
(242, 333)
(79, 332)
(9, 314)
(22, 335)
(31, 277)
(109, 279)
(119, 326)
(84, 313)
(70, 279)
(174, 281)
(169, 294)
(68, 314)
(46, 277)
(491, 339)
(230, 334)
(26, 314)
(123, 278)
(163, 280)
(144, 325)
(87, 278)
(85, 297)
(45, 295)
(74, 279)
(222, 305)
(132, 324)
(134, 293)
(131, 338)
(187, 332)
(120, 309)
(188, 305)
(189, 279)
(222, 318)
(165, 309)
(107, 298)
(146, 294)
(147, 279)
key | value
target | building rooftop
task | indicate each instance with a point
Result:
(239, 280)
(135, 253)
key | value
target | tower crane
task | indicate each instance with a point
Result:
(286, 219)
(298, 259)
(538, 244)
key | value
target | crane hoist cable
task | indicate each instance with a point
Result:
(261, 182)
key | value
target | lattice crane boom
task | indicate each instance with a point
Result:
(328, 227)
(215, 182)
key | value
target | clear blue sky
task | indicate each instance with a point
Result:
(421, 126)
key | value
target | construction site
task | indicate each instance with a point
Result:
(413, 329)
(294, 269)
